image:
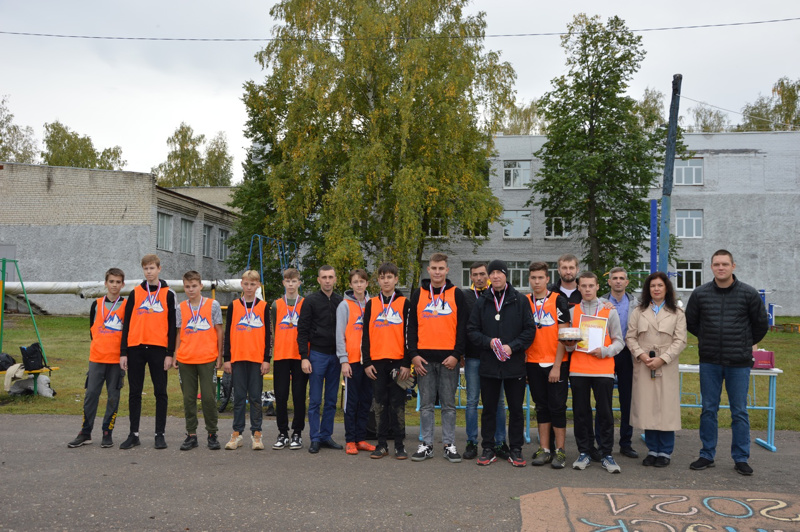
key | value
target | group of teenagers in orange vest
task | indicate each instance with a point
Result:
(504, 340)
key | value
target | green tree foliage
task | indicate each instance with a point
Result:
(707, 120)
(217, 162)
(184, 164)
(63, 147)
(650, 110)
(371, 128)
(778, 112)
(524, 119)
(17, 143)
(599, 159)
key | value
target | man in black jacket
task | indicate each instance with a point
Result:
(728, 318)
(568, 267)
(317, 327)
(502, 326)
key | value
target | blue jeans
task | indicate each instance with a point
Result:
(325, 370)
(737, 383)
(660, 442)
(442, 382)
(472, 374)
(357, 404)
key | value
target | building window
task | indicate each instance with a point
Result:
(689, 224)
(187, 236)
(479, 230)
(557, 227)
(518, 224)
(689, 171)
(164, 232)
(207, 240)
(436, 228)
(518, 274)
(222, 251)
(552, 272)
(690, 275)
(516, 174)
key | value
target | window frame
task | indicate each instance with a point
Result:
(509, 170)
(207, 239)
(685, 267)
(222, 244)
(164, 231)
(526, 233)
(681, 223)
(187, 237)
(680, 171)
(550, 232)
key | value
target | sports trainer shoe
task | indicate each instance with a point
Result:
(423, 453)
(379, 452)
(296, 443)
(502, 451)
(365, 446)
(610, 465)
(80, 439)
(282, 442)
(106, 442)
(235, 442)
(743, 468)
(257, 444)
(541, 457)
(582, 462)
(161, 441)
(701, 463)
(471, 452)
(559, 460)
(189, 443)
(350, 448)
(451, 453)
(487, 457)
(131, 442)
(516, 459)
(213, 442)
(400, 452)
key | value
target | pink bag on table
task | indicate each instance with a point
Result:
(763, 359)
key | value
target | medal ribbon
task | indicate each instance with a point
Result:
(290, 310)
(151, 299)
(113, 306)
(539, 311)
(436, 301)
(385, 307)
(196, 315)
(362, 307)
(247, 315)
(494, 297)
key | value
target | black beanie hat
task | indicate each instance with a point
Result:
(498, 265)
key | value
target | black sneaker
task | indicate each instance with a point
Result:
(451, 453)
(380, 451)
(161, 442)
(400, 452)
(423, 453)
(515, 458)
(502, 451)
(80, 439)
(213, 442)
(701, 463)
(743, 468)
(282, 442)
(487, 457)
(471, 452)
(189, 443)
(297, 442)
(107, 441)
(131, 442)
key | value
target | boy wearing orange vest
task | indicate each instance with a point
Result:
(105, 330)
(357, 387)
(436, 341)
(246, 355)
(590, 373)
(286, 367)
(386, 360)
(148, 340)
(198, 354)
(548, 366)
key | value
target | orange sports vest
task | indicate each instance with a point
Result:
(247, 337)
(585, 363)
(149, 321)
(198, 336)
(354, 331)
(107, 336)
(545, 343)
(285, 346)
(386, 330)
(436, 325)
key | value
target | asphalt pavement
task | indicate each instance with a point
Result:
(47, 486)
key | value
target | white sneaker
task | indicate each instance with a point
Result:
(235, 441)
(582, 462)
(257, 443)
(610, 465)
(423, 453)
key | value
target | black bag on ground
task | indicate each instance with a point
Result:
(32, 358)
(6, 361)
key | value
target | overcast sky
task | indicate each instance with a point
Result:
(135, 93)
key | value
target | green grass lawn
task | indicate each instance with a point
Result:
(66, 344)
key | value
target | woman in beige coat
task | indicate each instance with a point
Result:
(656, 336)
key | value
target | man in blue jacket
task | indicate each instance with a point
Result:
(728, 317)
